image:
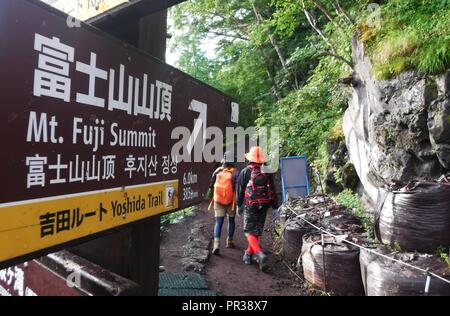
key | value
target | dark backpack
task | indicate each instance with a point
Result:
(258, 190)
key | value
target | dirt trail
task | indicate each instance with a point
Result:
(226, 273)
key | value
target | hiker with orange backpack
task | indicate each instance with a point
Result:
(255, 195)
(223, 186)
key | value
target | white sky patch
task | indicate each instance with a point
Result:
(208, 45)
(172, 55)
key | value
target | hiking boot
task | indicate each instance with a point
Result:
(247, 258)
(216, 247)
(261, 259)
(230, 243)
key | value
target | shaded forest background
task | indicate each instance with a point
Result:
(284, 61)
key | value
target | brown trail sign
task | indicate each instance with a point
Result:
(86, 133)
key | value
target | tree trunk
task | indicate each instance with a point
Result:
(339, 8)
(275, 90)
(313, 24)
(323, 9)
(275, 45)
(327, 13)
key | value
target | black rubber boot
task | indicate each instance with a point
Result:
(261, 259)
(247, 258)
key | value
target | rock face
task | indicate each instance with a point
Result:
(397, 129)
(340, 173)
(195, 252)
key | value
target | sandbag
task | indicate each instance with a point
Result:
(416, 217)
(365, 257)
(383, 277)
(292, 238)
(342, 270)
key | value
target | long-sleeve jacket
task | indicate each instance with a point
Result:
(244, 179)
(234, 178)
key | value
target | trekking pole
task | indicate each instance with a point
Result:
(210, 204)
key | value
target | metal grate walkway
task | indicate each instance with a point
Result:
(183, 284)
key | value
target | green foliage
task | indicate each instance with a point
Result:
(248, 65)
(307, 115)
(279, 69)
(285, 18)
(338, 176)
(396, 247)
(443, 254)
(337, 133)
(412, 34)
(322, 160)
(434, 57)
(176, 216)
(352, 201)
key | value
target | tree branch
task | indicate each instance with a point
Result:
(313, 24)
(324, 11)
(322, 53)
(272, 40)
(339, 8)
(333, 52)
(327, 13)
(275, 45)
(275, 90)
(265, 60)
(225, 34)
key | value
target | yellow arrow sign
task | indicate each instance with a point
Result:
(34, 225)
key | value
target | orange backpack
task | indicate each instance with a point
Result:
(223, 188)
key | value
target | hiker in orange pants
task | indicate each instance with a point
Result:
(255, 194)
(223, 184)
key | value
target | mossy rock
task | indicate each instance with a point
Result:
(431, 90)
(350, 178)
(332, 186)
